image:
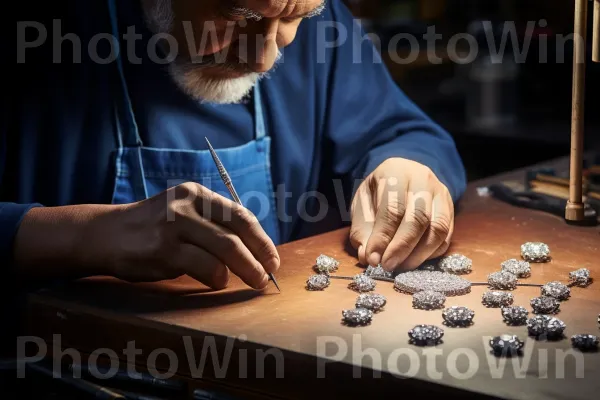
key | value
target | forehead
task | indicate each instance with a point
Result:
(278, 8)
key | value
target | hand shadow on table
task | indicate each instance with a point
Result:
(183, 293)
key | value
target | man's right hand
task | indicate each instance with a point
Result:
(187, 229)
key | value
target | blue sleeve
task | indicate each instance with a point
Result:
(371, 119)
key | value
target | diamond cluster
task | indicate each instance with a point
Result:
(502, 280)
(357, 316)
(519, 268)
(497, 299)
(371, 301)
(508, 345)
(428, 300)
(580, 277)
(515, 315)
(458, 316)
(377, 272)
(545, 305)
(362, 283)
(437, 281)
(317, 282)
(424, 335)
(556, 289)
(545, 326)
(585, 342)
(456, 264)
(326, 264)
(535, 252)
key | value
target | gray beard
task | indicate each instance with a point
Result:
(188, 75)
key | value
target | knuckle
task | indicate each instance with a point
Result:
(228, 241)
(440, 227)
(244, 218)
(420, 218)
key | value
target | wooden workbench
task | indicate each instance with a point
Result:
(106, 313)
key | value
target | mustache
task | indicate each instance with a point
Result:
(221, 61)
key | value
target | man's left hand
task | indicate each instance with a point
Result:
(402, 216)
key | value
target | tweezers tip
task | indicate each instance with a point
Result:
(275, 282)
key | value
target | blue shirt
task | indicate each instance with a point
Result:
(332, 111)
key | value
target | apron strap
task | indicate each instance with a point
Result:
(131, 135)
(128, 135)
(259, 122)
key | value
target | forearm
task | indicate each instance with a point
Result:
(55, 242)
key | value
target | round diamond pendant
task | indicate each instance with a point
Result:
(458, 316)
(371, 301)
(515, 315)
(545, 305)
(362, 283)
(519, 268)
(556, 289)
(455, 264)
(506, 345)
(497, 299)
(425, 335)
(317, 282)
(502, 280)
(357, 316)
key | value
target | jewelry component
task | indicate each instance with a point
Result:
(371, 301)
(455, 264)
(519, 268)
(362, 283)
(326, 264)
(545, 305)
(502, 280)
(497, 299)
(535, 252)
(428, 300)
(317, 282)
(425, 335)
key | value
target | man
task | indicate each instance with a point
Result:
(104, 163)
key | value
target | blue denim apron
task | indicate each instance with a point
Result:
(142, 172)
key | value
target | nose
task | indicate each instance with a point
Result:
(262, 47)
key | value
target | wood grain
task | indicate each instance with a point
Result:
(104, 312)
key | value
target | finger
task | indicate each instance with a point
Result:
(238, 219)
(363, 218)
(202, 266)
(434, 237)
(446, 243)
(390, 206)
(414, 224)
(224, 245)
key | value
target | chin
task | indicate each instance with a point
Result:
(222, 87)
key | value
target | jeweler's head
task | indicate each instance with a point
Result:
(225, 46)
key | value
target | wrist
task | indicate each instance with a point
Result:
(58, 242)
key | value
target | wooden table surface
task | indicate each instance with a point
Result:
(302, 329)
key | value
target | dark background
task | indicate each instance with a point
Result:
(503, 116)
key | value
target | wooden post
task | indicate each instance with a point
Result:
(574, 210)
(596, 33)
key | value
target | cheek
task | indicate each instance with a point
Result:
(205, 37)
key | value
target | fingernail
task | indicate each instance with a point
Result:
(374, 259)
(390, 264)
(360, 249)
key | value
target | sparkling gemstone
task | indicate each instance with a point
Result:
(545, 305)
(556, 289)
(535, 252)
(317, 282)
(362, 283)
(326, 264)
(437, 281)
(357, 316)
(371, 301)
(585, 342)
(455, 264)
(377, 272)
(506, 345)
(545, 326)
(425, 335)
(497, 299)
(502, 280)
(580, 277)
(458, 316)
(428, 300)
(515, 315)
(519, 268)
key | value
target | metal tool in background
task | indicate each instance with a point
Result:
(574, 210)
(227, 181)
